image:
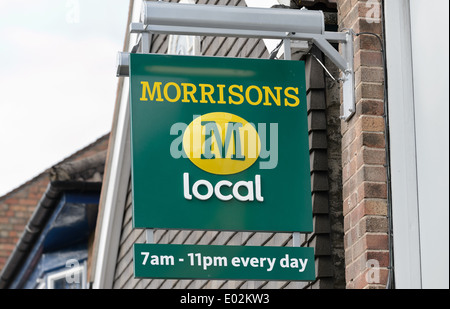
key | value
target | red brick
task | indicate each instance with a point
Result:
(351, 16)
(364, 26)
(370, 58)
(352, 270)
(360, 282)
(349, 187)
(370, 107)
(11, 200)
(349, 170)
(373, 259)
(361, 24)
(19, 227)
(351, 237)
(14, 235)
(373, 224)
(370, 75)
(371, 124)
(349, 203)
(372, 139)
(6, 247)
(348, 138)
(348, 254)
(369, 91)
(346, 222)
(28, 202)
(382, 257)
(343, 8)
(367, 42)
(373, 7)
(373, 173)
(371, 190)
(371, 156)
(377, 241)
(356, 214)
(374, 206)
(370, 241)
(370, 215)
(345, 156)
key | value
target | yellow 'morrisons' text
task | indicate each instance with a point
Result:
(219, 94)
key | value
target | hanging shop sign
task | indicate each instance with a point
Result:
(219, 144)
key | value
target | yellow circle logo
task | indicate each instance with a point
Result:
(221, 143)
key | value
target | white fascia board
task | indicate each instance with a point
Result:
(113, 198)
(115, 185)
(407, 263)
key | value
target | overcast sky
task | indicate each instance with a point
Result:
(57, 80)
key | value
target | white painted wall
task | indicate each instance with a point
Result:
(430, 55)
(417, 48)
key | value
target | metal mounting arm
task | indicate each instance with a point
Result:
(214, 20)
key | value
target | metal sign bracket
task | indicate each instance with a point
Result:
(214, 20)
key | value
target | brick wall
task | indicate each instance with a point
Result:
(16, 209)
(17, 206)
(363, 154)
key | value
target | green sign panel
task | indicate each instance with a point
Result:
(223, 262)
(219, 144)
